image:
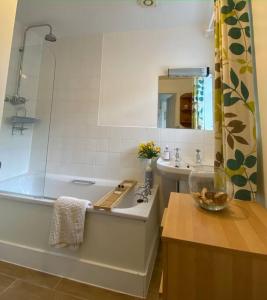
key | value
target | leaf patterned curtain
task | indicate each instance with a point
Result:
(235, 128)
(198, 104)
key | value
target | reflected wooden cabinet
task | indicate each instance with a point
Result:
(214, 256)
(186, 101)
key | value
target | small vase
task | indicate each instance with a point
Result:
(149, 173)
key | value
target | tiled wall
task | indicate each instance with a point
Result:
(27, 153)
(40, 135)
(81, 148)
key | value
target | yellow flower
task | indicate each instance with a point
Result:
(141, 147)
(148, 150)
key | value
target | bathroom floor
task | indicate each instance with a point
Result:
(18, 283)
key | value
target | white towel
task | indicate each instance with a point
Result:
(67, 225)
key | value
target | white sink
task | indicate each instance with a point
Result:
(169, 168)
(175, 179)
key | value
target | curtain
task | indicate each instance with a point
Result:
(235, 128)
(198, 104)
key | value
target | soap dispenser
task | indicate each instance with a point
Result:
(198, 157)
(166, 153)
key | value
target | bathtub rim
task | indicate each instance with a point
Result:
(139, 212)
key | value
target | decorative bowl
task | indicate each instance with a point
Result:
(210, 187)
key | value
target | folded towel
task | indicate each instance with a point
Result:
(67, 225)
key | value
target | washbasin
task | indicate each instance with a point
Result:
(169, 168)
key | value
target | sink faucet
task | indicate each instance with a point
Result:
(198, 157)
(178, 157)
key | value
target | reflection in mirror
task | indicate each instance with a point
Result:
(185, 102)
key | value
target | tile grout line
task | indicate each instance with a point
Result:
(58, 283)
(17, 280)
(7, 275)
(35, 284)
(71, 295)
(7, 288)
(30, 282)
(54, 288)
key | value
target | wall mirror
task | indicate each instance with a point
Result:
(185, 102)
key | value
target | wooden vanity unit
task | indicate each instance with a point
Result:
(214, 255)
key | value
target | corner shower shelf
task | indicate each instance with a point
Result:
(23, 120)
(18, 123)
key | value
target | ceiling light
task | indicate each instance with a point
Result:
(147, 3)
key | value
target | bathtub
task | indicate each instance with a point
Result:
(119, 247)
(52, 186)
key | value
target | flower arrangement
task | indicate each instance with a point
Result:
(148, 150)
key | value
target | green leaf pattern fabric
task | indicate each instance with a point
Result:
(235, 127)
(198, 104)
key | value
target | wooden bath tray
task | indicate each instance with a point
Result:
(114, 197)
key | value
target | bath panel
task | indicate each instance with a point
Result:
(119, 247)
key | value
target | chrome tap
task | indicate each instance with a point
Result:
(198, 156)
(178, 157)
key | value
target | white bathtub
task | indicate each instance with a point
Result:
(52, 186)
(120, 246)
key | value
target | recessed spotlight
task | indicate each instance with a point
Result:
(147, 3)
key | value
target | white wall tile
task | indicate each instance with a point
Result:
(104, 152)
(91, 145)
(129, 160)
(114, 145)
(107, 172)
(101, 159)
(90, 158)
(113, 160)
(129, 145)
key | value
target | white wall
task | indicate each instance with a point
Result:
(259, 9)
(133, 61)
(78, 146)
(7, 19)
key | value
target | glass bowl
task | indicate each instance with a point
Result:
(210, 187)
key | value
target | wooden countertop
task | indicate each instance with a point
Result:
(241, 227)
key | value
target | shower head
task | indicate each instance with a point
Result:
(50, 37)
